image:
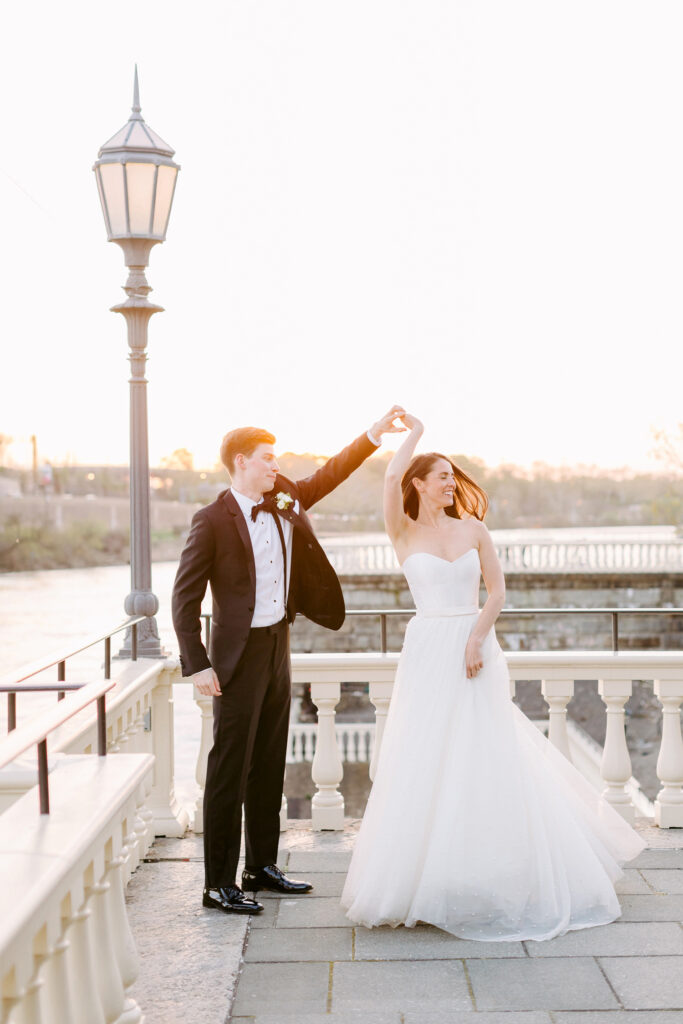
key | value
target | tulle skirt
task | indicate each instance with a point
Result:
(476, 823)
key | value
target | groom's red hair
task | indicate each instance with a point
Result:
(243, 441)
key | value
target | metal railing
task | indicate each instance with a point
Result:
(9, 683)
(37, 729)
(383, 614)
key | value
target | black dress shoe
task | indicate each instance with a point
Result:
(231, 901)
(274, 880)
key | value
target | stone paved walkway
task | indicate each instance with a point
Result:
(301, 962)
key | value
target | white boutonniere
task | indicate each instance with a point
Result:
(283, 500)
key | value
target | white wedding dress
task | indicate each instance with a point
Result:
(476, 823)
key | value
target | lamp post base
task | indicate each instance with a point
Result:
(149, 642)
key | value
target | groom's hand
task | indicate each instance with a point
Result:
(207, 683)
(386, 424)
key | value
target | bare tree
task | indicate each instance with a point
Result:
(669, 447)
(181, 458)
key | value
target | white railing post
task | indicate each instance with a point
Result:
(327, 770)
(616, 761)
(122, 937)
(108, 975)
(87, 1005)
(170, 819)
(669, 802)
(205, 705)
(557, 694)
(57, 991)
(380, 696)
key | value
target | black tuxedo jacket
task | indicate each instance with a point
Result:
(218, 551)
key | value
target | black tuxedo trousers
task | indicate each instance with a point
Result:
(246, 764)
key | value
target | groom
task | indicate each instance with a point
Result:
(256, 547)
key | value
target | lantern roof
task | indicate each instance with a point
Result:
(136, 137)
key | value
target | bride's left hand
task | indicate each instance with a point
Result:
(473, 658)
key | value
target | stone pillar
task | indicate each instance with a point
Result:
(327, 770)
(669, 802)
(380, 696)
(616, 761)
(558, 693)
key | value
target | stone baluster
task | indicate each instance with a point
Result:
(669, 802)
(327, 808)
(122, 937)
(380, 696)
(557, 694)
(143, 823)
(616, 761)
(170, 819)
(56, 997)
(87, 1004)
(205, 705)
(284, 811)
(130, 844)
(109, 981)
(114, 731)
(28, 1004)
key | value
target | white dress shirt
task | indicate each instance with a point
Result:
(270, 604)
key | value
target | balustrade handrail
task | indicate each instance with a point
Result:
(384, 613)
(37, 729)
(10, 679)
(42, 724)
(10, 682)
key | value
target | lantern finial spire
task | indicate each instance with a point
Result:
(136, 96)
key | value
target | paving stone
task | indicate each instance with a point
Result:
(651, 908)
(281, 988)
(266, 919)
(466, 1017)
(632, 882)
(425, 943)
(646, 983)
(189, 956)
(621, 1017)
(309, 912)
(327, 883)
(345, 1017)
(658, 859)
(539, 984)
(400, 985)
(621, 939)
(274, 945)
(662, 880)
(310, 861)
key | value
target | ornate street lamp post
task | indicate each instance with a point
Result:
(136, 179)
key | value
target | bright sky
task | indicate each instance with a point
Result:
(472, 207)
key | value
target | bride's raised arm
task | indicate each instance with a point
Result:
(394, 517)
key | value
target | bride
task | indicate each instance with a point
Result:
(476, 823)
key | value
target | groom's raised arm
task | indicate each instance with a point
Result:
(340, 466)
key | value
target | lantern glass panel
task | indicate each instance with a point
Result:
(111, 177)
(140, 196)
(162, 210)
(103, 202)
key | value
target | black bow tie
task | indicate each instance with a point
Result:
(265, 505)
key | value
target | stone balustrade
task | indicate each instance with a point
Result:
(66, 949)
(557, 671)
(530, 556)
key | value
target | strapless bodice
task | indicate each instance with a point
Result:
(440, 587)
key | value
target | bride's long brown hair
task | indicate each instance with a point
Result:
(468, 499)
